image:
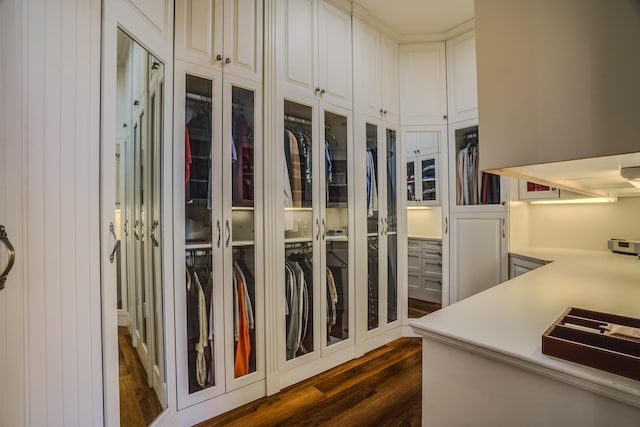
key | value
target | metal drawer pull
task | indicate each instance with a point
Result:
(226, 224)
(219, 232)
(12, 256)
(324, 229)
(112, 256)
(317, 225)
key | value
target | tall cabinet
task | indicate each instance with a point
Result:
(314, 288)
(477, 222)
(220, 331)
(377, 143)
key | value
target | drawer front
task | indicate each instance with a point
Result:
(414, 245)
(432, 267)
(414, 261)
(432, 283)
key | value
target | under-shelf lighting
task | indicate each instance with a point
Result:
(632, 175)
(575, 201)
(419, 208)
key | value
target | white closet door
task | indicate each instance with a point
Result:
(12, 365)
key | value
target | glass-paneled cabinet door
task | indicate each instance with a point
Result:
(199, 316)
(336, 230)
(244, 281)
(390, 223)
(472, 186)
(373, 222)
(299, 229)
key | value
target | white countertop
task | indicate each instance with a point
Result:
(506, 322)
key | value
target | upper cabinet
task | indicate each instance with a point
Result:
(225, 35)
(423, 84)
(376, 68)
(318, 60)
(462, 88)
(549, 91)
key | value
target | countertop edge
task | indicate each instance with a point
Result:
(581, 380)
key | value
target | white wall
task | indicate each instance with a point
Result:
(425, 222)
(578, 226)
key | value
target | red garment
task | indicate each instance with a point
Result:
(187, 155)
(243, 346)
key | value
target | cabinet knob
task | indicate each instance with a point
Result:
(381, 111)
(384, 112)
(219, 57)
(444, 117)
(317, 89)
(322, 91)
(227, 60)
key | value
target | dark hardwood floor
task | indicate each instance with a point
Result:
(139, 405)
(418, 308)
(382, 388)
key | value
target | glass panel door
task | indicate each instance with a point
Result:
(411, 181)
(243, 276)
(298, 228)
(473, 187)
(391, 226)
(429, 187)
(373, 218)
(198, 233)
(337, 227)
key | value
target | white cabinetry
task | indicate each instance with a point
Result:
(478, 253)
(425, 269)
(317, 59)
(519, 264)
(424, 163)
(218, 128)
(314, 237)
(462, 88)
(221, 34)
(376, 71)
(477, 224)
(423, 85)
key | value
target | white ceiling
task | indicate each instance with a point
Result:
(419, 17)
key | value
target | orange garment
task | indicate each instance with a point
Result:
(243, 346)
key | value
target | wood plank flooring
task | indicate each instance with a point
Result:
(418, 308)
(139, 405)
(382, 388)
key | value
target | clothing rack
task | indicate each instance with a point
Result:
(299, 120)
(198, 98)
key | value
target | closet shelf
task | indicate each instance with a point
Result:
(242, 243)
(191, 246)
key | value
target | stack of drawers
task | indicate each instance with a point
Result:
(425, 269)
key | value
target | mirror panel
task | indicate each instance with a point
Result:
(137, 220)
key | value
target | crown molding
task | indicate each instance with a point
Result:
(364, 15)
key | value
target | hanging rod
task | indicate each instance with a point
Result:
(294, 119)
(196, 97)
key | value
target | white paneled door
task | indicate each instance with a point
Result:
(12, 376)
(50, 351)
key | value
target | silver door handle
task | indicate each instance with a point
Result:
(317, 225)
(446, 225)
(226, 224)
(219, 232)
(12, 256)
(324, 229)
(112, 256)
(153, 233)
(126, 228)
(504, 235)
(135, 232)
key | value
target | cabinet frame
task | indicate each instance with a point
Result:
(222, 255)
